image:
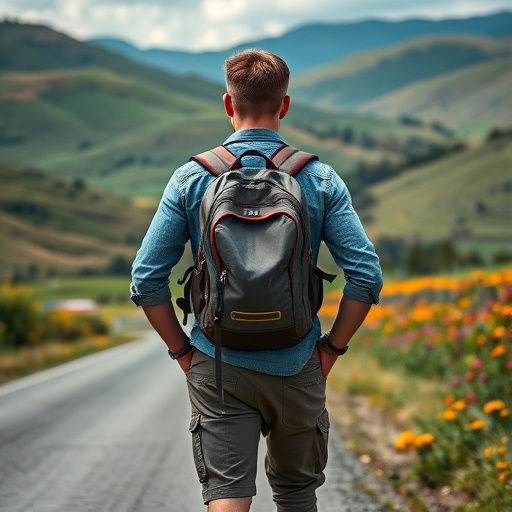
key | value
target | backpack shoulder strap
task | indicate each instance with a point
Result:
(291, 160)
(216, 160)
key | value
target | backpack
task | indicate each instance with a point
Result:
(253, 285)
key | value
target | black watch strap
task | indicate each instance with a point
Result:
(183, 351)
(324, 340)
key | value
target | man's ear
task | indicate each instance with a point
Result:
(228, 104)
(285, 106)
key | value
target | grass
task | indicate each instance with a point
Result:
(101, 289)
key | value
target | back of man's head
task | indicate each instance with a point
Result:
(257, 81)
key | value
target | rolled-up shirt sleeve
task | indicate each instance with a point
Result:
(350, 247)
(161, 248)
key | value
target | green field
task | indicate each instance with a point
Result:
(465, 197)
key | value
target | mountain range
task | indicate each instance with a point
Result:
(389, 69)
(315, 45)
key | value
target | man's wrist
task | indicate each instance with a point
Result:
(187, 348)
(326, 342)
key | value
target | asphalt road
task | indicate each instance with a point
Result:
(109, 433)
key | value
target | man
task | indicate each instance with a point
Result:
(277, 393)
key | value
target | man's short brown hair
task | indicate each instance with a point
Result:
(257, 81)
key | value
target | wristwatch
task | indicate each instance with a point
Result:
(183, 351)
(324, 340)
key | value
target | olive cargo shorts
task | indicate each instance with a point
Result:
(289, 411)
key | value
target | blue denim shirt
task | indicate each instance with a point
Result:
(333, 220)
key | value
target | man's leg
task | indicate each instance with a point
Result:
(225, 442)
(230, 505)
(297, 439)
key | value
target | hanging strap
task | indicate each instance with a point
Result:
(221, 284)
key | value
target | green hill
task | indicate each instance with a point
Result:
(362, 80)
(55, 227)
(25, 47)
(117, 132)
(465, 197)
(472, 100)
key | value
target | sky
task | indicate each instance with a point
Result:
(200, 25)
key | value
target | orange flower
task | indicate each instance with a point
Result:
(449, 399)
(504, 413)
(405, 440)
(477, 425)
(481, 339)
(498, 351)
(449, 415)
(499, 332)
(502, 465)
(494, 406)
(423, 440)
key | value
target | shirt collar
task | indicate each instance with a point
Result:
(251, 134)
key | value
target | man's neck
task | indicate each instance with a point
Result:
(248, 124)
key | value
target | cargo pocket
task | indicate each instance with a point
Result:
(322, 426)
(197, 449)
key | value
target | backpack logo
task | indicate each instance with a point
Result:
(251, 212)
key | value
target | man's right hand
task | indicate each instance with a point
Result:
(185, 361)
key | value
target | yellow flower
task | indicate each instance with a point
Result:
(502, 477)
(449, 415)
(494, 406)
(498, 351)
(488, 452)
(477, 425)
(502, 450)
(459, 405)
(405, 440)
(423, 440)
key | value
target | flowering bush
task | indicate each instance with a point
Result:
(458, 331)
(20, 318)
(70, 326)
(22, 322)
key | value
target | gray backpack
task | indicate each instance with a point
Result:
(253, 285)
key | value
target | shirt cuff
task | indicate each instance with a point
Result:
(153, 298)
(361, 294)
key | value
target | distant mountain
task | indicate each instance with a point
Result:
(316, 45)
(376, 81)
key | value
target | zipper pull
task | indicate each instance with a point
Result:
(220, 295)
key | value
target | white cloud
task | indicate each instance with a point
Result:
(215, 24)
(223, 10)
